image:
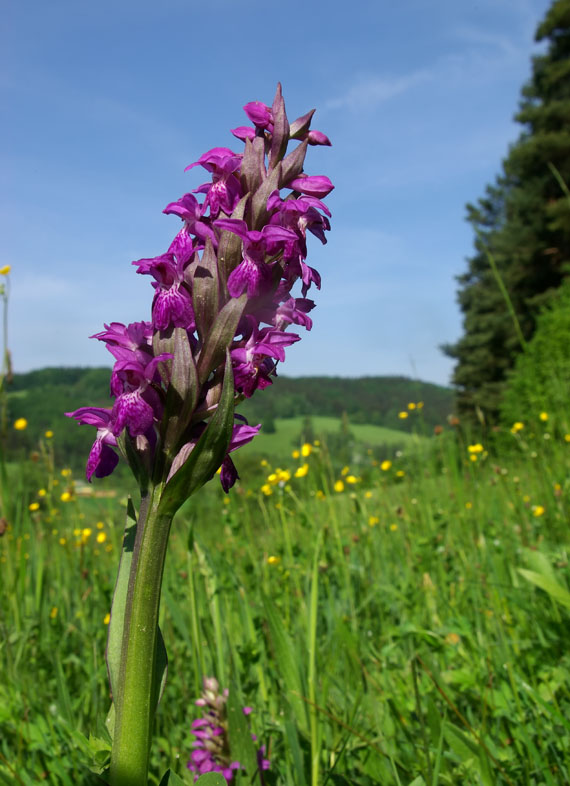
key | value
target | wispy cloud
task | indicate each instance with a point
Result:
(370, 91)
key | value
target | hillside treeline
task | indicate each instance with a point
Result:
(43, 396)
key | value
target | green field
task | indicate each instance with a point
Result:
(410, 627)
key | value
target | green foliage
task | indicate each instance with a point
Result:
(410, 628)
(524, 222)
(540, 381)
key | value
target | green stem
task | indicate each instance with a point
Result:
(138, 692)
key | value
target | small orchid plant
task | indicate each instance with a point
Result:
(221, 308)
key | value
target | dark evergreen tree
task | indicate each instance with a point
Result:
(523, 223)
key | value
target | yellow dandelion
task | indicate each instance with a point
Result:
(101, 537)
(339, 486)
(65, 497)
(100, 525)
(106, 619)
(300, 472)
(295, 454)
(266, 489)
(393, 527)
(283, 476)
(48, 434)
(76, 532)
(373, 520)
(518, 426)
(86, 533)
(53, 612)
(306, 449)
(20, 424)
(385, 465)
(411, 406)
(5, 270)
(402, 415)
(33, 506)
(272, 478)
(538, 510)
(543, 416)
(42, 493)
(273, 560)
(62, 541)
(473, 457)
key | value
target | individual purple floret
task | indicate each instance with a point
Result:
(223, 301)
(211, 739)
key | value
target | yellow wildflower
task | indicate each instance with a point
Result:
(344, 471)
(320, 494)
(42, 493)
(62, 541)
(393, 527)
(468, 505)
(420, 405)
(33, 506)
(266, 489)
(295, 454)
(53, 613)
(385, 465)
(66, 472)
(301, 471)
(473, 457)
(400, 473)
(283, 475)
(453, 639)
(306, 450)
(263, 463)
(477, 448)
(86, 533)
(339, 486)
(373, 520)
(543, 416)
(538, 510)
(100, 525)
(317, 443)
(567, 437)
(518, 426)
(48, 434)
(65, 497)
(351, 479)
(101, 537)
(402, 415)
(5, 270)
(272, 478)
(368, 494)
(20, 424)
(106, 619)
(411, 405)
(273, 560)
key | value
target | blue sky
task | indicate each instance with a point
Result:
(105, 104)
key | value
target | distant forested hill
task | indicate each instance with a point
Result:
(43, 396)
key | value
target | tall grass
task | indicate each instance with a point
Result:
(411, 628)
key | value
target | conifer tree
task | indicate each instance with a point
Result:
(522, 224)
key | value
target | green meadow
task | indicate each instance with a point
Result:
(392, 619)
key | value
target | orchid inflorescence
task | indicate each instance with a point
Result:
(220, 310)
(211, 746)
